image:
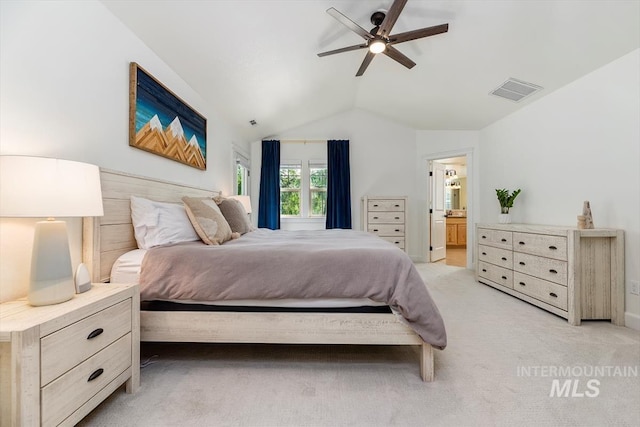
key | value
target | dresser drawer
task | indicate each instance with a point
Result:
(539, 244)
(549, 269)
(542, 290)
(499, 275)
(497, 256)
(496, 238)
(63, 396)
(386, 217)
(74, 343)
(385, 205)
(398, 241)
(387, 229)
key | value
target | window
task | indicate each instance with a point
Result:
(242, 175)
(317, 189)
(290, 189)
(303, 189)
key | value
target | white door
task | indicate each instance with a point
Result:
(438, 231)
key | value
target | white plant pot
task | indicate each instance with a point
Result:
(504, 218)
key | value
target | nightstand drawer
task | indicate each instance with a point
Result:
(387, 229)
(386, 217)
(385, 205)
(548, 292)
(64, 349)
(64, 395)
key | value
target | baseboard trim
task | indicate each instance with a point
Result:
(632, 321)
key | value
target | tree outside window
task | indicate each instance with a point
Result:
(317, 190)
(290, 190)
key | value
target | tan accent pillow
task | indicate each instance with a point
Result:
(235, 214)
(207, 220)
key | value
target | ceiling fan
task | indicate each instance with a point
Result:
(379, 39)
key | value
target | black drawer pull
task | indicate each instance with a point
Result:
(95, 374)
(553, 248)
(522, 284)
(551, 294)
(397, 243)
(504, 277)
(521, 243)
(484, 270)
(375, 229)
(484, 237)
(553, 271)
(397, 230)
(375, 206)
(375, 217)
(504, 258)
(95, 333)
(522, 263)
(503, 240)
(397, 206)
(397, 217)
(484, 253)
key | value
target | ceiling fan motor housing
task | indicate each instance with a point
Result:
(378, 16)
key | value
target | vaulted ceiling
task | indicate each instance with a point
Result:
(257, 59)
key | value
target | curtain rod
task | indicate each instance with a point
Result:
(303, 141)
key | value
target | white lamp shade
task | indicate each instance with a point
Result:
(245, 200)
(41, 187)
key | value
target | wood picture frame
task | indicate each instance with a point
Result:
(162, 123)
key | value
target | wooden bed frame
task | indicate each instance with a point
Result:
(106, 238)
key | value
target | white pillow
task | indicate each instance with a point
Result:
(159, 223)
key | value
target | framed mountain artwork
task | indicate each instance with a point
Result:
(162, 123)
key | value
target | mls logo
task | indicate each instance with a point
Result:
(571, 388)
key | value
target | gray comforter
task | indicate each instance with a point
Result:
(268, 264)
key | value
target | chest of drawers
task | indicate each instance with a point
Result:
(58, 362)
(386, 217)
(576, 274)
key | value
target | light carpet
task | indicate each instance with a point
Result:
(498, 370)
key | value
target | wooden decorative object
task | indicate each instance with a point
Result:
(162, 123)
(586, 213)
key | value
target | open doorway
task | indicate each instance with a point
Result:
(449, 203)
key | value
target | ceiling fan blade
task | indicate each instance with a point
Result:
(396, 55)
(418, 34)
(391, 18)
(349, 23)
(344, 49)
(367, 60)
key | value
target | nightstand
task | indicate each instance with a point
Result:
(58, 362)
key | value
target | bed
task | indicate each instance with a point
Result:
(107, 238)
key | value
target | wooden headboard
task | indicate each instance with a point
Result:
(105, 238)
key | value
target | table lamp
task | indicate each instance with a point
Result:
(39, 187)
(245, 200)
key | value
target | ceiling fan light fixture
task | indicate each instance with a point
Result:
(377, 46)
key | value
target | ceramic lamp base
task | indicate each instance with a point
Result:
(51, 275)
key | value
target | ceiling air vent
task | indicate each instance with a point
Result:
(515, 90)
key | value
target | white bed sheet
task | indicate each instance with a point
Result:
(126, 269)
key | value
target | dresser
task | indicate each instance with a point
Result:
(58, 362)
(576, 274)
(386, 216)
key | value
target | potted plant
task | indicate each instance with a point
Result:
(506, 200)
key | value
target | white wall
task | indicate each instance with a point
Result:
(64, 76)
(381, 157)
(579, 143)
